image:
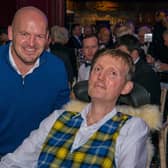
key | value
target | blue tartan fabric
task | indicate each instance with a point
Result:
(97, 152)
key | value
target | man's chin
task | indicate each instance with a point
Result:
(97, 95)
(30, 62)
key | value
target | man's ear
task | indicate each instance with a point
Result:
(127, 88)
(10, 32)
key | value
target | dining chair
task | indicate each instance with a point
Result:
(163, 131)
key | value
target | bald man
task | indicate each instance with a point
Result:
(33, 82)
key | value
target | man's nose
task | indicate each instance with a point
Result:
(101, 75)
(32, 40)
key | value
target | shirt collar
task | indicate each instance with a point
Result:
(87, 63)
(12, 62)
(85, 111)
(136, 60)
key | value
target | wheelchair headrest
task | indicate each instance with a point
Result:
(137, 97)
(80, 90)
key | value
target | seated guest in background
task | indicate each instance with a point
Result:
(98, 136)
(90, 46)
(3, 35)
(161, 24)
(33, 81)
(87, 30)
(75, 43)
(105, 37)
(144, 74)
(144, 42)
(161, 61)
(75, 40)
(59, 37)
(121, 30)
(131, 26)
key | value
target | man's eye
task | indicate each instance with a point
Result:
(113, 74)
(41, 36)
(97, 69)
(24, 34)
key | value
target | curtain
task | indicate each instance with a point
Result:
(54, 9)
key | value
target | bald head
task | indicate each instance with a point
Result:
(29, 12)
(29, 35)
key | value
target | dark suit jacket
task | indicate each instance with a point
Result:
(148, 78)
(74, 43)
(65, 54)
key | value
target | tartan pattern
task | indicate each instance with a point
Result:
(97, 152)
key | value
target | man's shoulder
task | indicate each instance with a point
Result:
(52, 63)
(4, 51)
(4, 48)
(51, 58)
(144, 66)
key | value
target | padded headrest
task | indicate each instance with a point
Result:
(138, 96)
(80, 90)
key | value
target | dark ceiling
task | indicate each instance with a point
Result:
(125, 0)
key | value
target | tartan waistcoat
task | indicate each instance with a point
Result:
(97, 152)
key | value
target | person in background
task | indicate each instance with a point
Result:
(75, 43)
(157, 47)
(33, 81)
(75, 40)
(59, 38)
(144, 74)
(3, 36)
(90, 46)
(121, 30)
(144, 42)
(98, 136)
(87, 30)
(161, 19)
(144, 35)
(161, 61)
(105, 38)
(131, 26)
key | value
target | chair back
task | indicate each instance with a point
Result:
(80, 90)
(164, 129)
(138, 96)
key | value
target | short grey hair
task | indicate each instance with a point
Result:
(59, 34)
(145, 29)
